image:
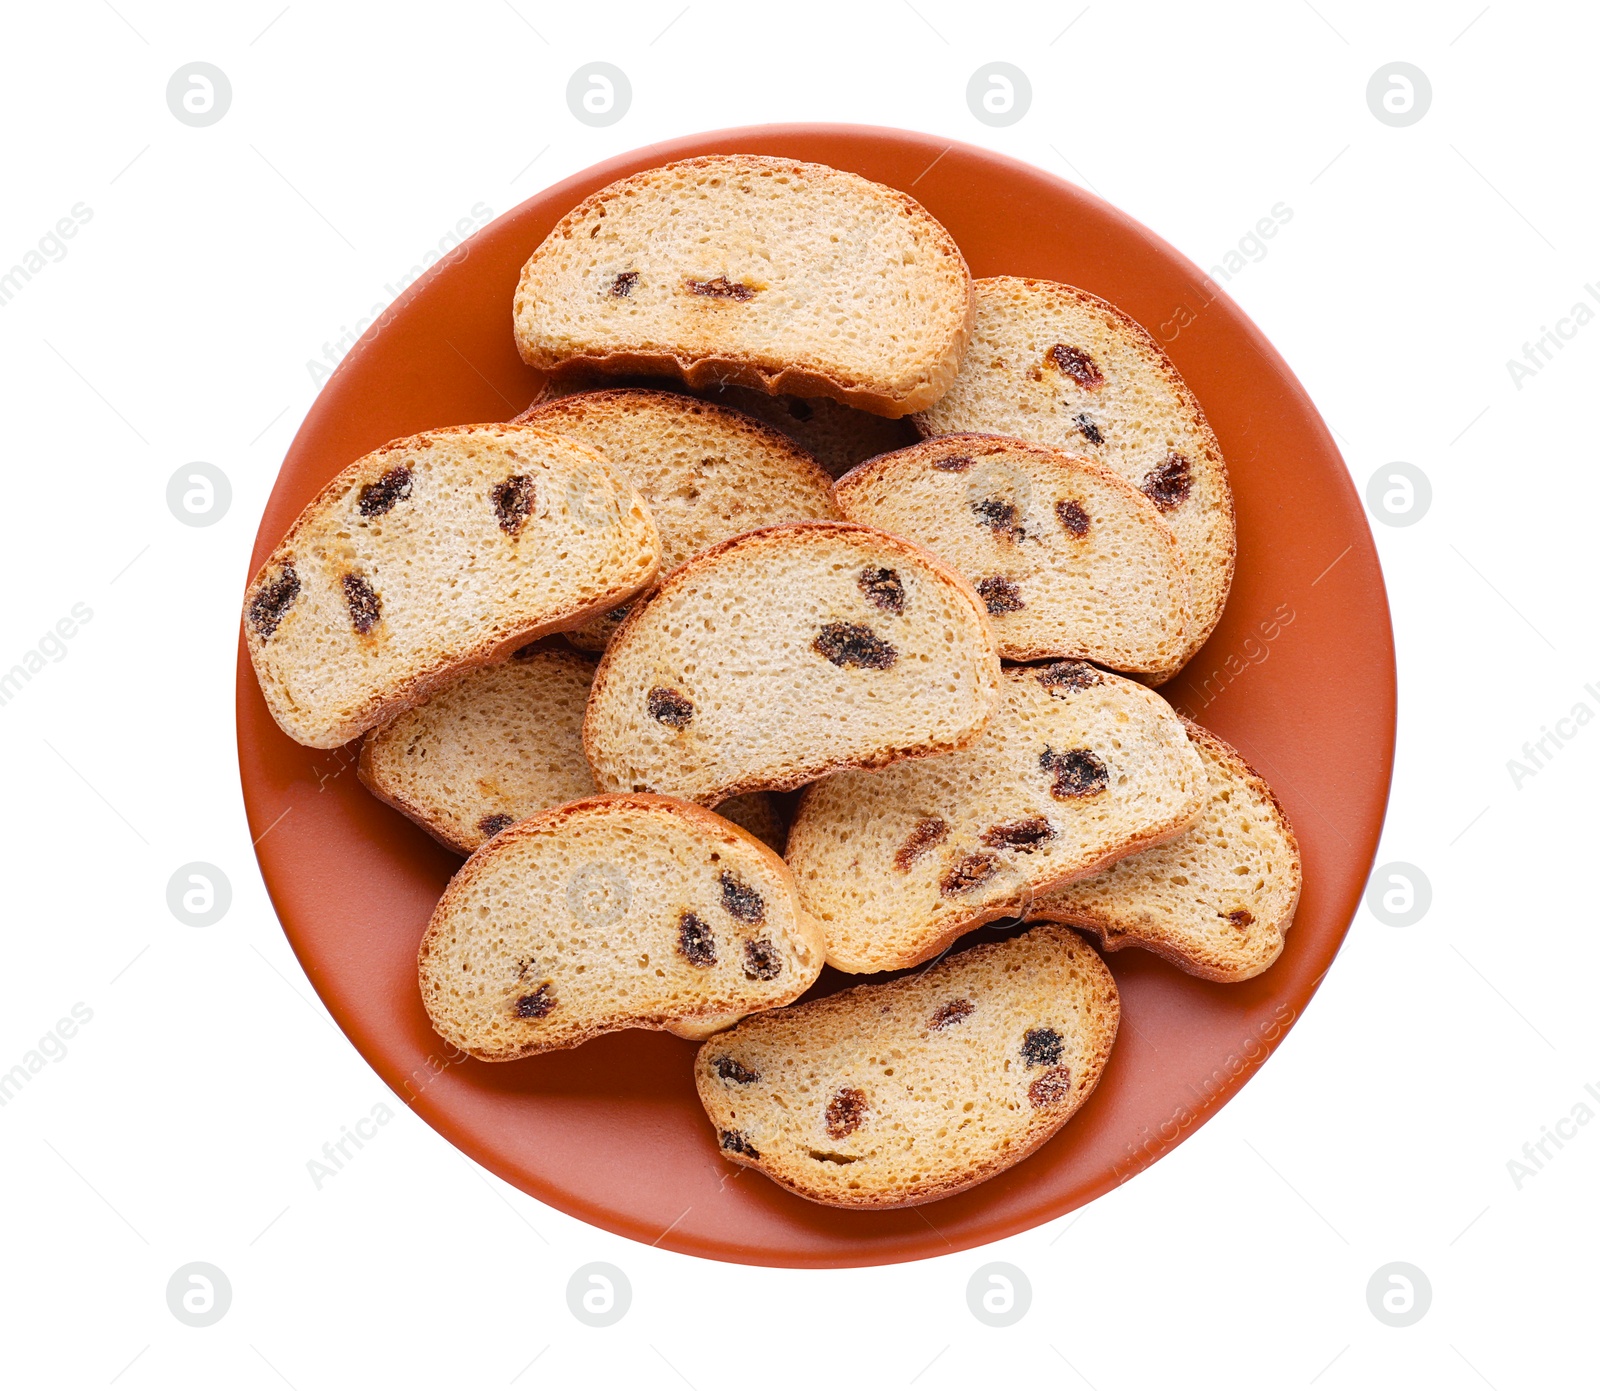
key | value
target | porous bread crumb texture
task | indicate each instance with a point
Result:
(606, 914)
(1077, 769)
(772, 273)
(1113, 396)
(781, 655)
(760, 813)
(705, 472)
(438, 552)
(1217, 900)
(1085, 563)
(898, 1093)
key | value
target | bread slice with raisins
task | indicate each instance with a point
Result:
(1071, 560)
(611, 913)
(500, 743)
(902, 1092)
(768, 273)
(785, 654)
(434, 554)
(1217, 900)
(705, 472)
(1058, 366)
(1078, 769)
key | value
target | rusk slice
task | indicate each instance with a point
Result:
(1077, 769)
(439, 552)
(1058, 366)
(705, 472)
(893, 1094)
(611, 913)
(500, 743)
(769, 273)
(785, 654)
(1071, 560)
(1217, 900)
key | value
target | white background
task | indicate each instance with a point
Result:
(178, 327)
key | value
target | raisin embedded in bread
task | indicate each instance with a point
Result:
(898, 1093)
(1071, 560)
(611, 913)
(769, 273)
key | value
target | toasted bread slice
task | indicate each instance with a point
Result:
(902, 1092)
(1217, 900)
(787, 653)
(768, 273)
(705, 472)
(1071, 560)
(1058, 366)
(437, 553)
(1078, 769)
(611, 913)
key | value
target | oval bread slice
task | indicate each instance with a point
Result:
(893, 1094)
(1217, 900)
(611, 913)
(1078, 769)
(1071, 560)
(705, 472)
(770, 273)
(438, 552)
(1055, 365)
(787, 653)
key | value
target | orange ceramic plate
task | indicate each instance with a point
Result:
(1299, 675)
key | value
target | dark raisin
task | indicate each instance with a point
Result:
(999, 516)
(491, 826)
(883, 589)
(536, 1005)
(740, 900)
(762, 961)
(845, 1112)
(362, 601)
(1168, 484)
(1090, 430)
(274, 600)
(730, 1070)
(696, 941)
(999, 594)
(1239, 917)
(721, 288)
(617, 614)
(1042, 1047)
(924, 836)
(669, 707)
(800, 410)
(1060, 678)
(1050, 1088)
(954, 463)
(1077, 364)
(1072, 516)
(623, 285)
(377, 498)
(967, 874)
(952, 1013)
(737, 1142)
(1076, 773)
(1026, 835)
(854, 645)
(513, 500)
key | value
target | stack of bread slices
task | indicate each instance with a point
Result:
(812, 614)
